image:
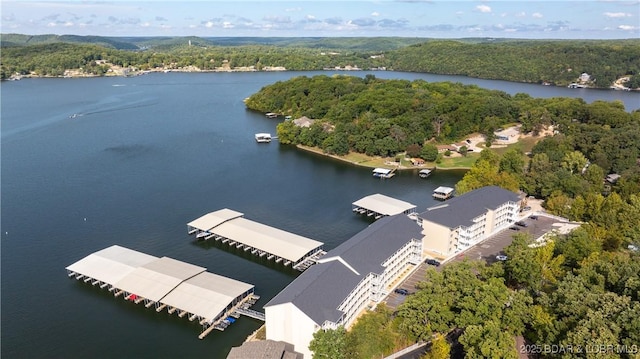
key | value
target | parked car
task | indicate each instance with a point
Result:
(514, 228)
(522, 224)
(534, 217)
(526, 208)
(432, 262)
(501, 257)
(401, 291)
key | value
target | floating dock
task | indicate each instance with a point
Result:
(378, 205)
(443, 193)
(178, 286)
(230, 227)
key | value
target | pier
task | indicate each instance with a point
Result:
(231, 228)
(378, 205)
(164, 283)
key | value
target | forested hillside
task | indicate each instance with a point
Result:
(558, 62)
(537, 61)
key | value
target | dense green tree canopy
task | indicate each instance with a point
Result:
(558, 62)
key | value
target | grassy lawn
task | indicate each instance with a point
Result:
(524, 144)
(459, 162)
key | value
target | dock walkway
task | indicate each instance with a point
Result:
(251, 313)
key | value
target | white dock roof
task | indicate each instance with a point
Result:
(444, 190)
(156, 279)
(382, 170)
(213, 219)
(181, 285)
(272, 240)
(384, 205)
(111, 264)
(206, 294)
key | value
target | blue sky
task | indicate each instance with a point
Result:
(552, 19)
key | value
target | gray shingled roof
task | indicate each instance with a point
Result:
(264, 349)
(461, 210)
(320, 289)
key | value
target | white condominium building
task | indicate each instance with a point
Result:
(463, 221)
(354, 276)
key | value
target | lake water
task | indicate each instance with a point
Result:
(142, 157)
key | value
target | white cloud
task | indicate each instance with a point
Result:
(613, 15)
(483, 8)
(227, 25)
(209, 24)
(521, 14)
(537, 15)
(375, 13)
(628, 27)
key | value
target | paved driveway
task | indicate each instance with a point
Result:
(487, 250)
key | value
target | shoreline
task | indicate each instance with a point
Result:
(114, 71)
(373, 165)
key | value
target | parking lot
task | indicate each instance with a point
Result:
(487, 250)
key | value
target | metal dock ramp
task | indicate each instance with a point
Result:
(251, 313)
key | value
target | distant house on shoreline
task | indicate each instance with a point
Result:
(303, 121)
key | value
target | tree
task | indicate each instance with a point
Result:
(372, 335)
(512, 162)
(482, 174)
(576, 246)
(438, 124)
(487, 340)
(440, 348)
(429, 152)
(574, 161)
(330, 344)
(463, 151)
(414, 150)
(428, 311)
(287, 132)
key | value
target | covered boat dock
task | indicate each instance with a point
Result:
(230, 227)
(383, 173)
(378, 205)
(164, 282)
(443, 193)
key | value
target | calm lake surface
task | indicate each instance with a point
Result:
(142, 157)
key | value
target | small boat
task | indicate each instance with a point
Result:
(271, 115)
(263, 137)
(425, 173)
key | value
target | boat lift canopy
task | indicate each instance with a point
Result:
(384, 205)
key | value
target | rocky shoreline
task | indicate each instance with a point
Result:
(116, 71)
